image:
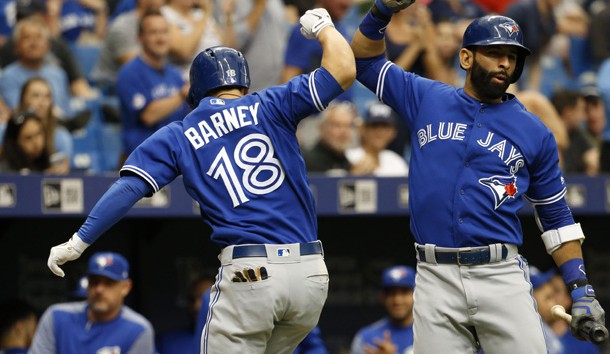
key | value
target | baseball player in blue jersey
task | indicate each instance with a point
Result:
(394, 333)
(240, 160)
(477, 156)
(100, 325)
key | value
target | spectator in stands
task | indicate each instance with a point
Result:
(151, 91)
(102, 324)
(599, 36)
(411, 43)
(32, 45)
(120, 44)
(259, 29)
(541, 106)
(59, 52)
(558, 337)
(372, 156)
(603, 84)
(83, 21)
(17, 326)
(336, 135)
(540, 21)
(36, 96)
(394, 333)
(24, 148)
(595, 112)
(193, 30)
(303, 56)
(581, 156)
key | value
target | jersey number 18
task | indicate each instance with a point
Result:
(253, 155)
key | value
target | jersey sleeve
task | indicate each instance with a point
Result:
(548, 188)
(302, 95)
(547, 184)
(393, 86)
(44, 338)
(155, 160)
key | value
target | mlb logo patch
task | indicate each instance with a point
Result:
(283, 252)
(217, 101)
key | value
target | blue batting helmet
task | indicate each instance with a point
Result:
(497, 30)
(214, 68)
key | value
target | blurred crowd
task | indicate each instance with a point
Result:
(83, 82)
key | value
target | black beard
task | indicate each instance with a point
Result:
(483, 86)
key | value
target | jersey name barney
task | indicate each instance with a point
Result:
(223, 122)
(502, 187)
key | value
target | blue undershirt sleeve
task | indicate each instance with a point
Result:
(555, 215)
(112, 206)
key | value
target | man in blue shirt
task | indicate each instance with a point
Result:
(102, 324)
(17, 326)
(151, 91)
(394, 333)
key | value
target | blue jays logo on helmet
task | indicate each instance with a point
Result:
(104, 261)
(502, 188)
(510, 27)
(497, 30)
(214, 68)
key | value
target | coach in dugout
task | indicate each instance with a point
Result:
(102, 324)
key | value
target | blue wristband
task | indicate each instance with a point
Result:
(372, 27)
(383, 9)
(582, 291)
(573, 273)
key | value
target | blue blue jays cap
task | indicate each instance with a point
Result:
(380, 113)
(539, 278)
(110, 265)
(398, 276)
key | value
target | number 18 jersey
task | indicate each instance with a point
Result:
(240, 160)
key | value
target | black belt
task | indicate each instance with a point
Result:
(260, 250)
(463, 256)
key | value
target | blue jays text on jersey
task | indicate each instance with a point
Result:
(471, 162)
(240, 160)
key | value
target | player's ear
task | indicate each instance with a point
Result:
(466, 58)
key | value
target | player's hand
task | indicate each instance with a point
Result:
(585, 308)
(382, 346)
(314, 21)
(393, 5)
(250, 275)
(67, 251)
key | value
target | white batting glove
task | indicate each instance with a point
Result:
(313, 21)
(67, 251)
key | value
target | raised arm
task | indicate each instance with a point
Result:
(337, 56)
(368, 39)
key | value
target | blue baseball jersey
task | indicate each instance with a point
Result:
(74, 19)
(240, 160)
(66, 329)
(402, 337)
(471, 162)
(8, 13)
(573, 345)
(138, 84)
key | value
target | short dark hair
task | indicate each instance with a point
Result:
(13, 311)
(148, 13)
(563, 99)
